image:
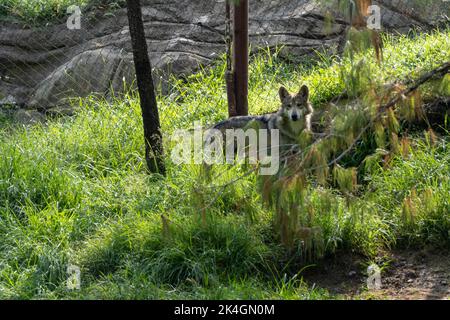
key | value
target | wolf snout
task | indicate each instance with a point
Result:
(295, 117)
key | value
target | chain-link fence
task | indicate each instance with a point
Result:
(51, 51)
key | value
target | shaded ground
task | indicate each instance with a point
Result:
(405, 275)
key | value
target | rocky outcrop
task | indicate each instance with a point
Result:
(41, 68)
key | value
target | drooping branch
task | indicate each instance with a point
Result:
(412, 87)
(436, 110)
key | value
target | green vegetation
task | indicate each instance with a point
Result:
(36, 12)
(75, 191)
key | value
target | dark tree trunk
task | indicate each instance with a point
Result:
(152, 128)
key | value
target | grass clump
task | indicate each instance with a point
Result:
(33, 11)
(41, 12)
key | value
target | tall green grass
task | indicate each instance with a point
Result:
(39, 12)
(75, 191)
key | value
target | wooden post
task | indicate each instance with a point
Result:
(240, 56)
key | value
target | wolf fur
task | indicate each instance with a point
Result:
(293, 117)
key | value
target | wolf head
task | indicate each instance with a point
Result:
(295, 107)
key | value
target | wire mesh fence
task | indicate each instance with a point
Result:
(56, 50)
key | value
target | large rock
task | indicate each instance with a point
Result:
(44, 67)
(90, 72)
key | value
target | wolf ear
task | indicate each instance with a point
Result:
(304, 93)
(283, 93)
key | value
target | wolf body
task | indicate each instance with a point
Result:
(293, 117)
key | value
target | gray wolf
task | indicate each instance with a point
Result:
(292, 118)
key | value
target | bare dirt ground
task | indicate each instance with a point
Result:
(405, 275)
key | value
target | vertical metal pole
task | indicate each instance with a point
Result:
(240, 56)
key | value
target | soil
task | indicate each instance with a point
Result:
(405, 275)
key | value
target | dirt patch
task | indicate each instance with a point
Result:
(406, 275)
(418, 275)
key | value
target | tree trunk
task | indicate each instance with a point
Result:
(152, 128)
